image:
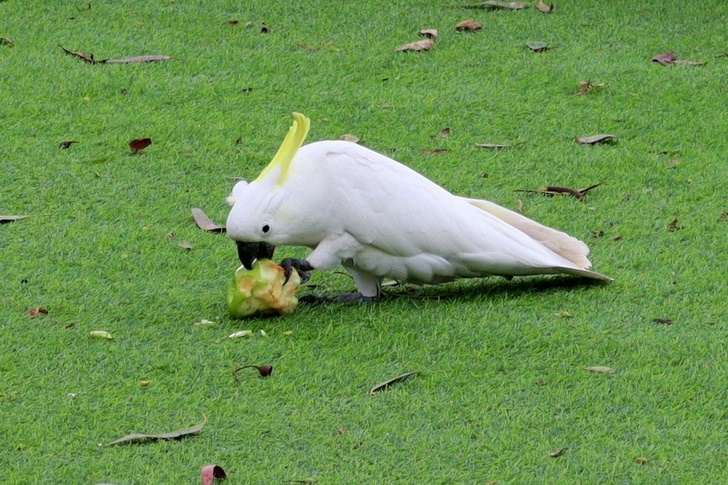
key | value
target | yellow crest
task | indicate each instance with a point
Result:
(291, 143)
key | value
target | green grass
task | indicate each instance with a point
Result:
(503, 380)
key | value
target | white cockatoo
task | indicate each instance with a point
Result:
(378, 218)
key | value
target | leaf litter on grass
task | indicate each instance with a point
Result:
(209, 473)
(169, 435)
(204, 222)
(561, 190)
(385, 384)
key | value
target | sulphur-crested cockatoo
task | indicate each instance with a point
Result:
(378, 218)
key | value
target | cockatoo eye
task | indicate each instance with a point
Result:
(266, 229)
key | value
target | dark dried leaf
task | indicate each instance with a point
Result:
(7, 41)
(431, 33)
(400, 378)
(139, 144)
(674, 226)
(663, 321)
(233, 22)
(66, 144)
(561, 190)
(665, 58)
(433, 150)
(35, 311)
(538, 46)
(171, 435)
(497, 146)
(132, 60)
(544, 7)
(591, 140)
(307, 481)
(204, 222)
(491, 4)
(5, 219)
(444, 132)
(83, 55)
(469, 25)
(264, 370)
(420, 45)
(209, 473)
(723, 217)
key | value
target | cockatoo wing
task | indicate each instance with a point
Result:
(410, 228)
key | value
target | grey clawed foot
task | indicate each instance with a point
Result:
(302, 267)
(344, 297)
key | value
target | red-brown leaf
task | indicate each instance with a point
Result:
(431, 33)
(209, 473)
(35, 311)
(83, 55)
(665, 58)
(420, 45)
(470, 25)
(204, 222)
(139, 144)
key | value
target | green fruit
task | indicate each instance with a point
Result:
(261, 290)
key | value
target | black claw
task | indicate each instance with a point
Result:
(302, 267)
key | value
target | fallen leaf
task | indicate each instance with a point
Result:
(493, 5)
(204, 323)
(139, 144)
(420, 45)
(564, 314)
(7, 219)
(537, 46)
(241, 333)
(144, 383)
(383, 385)
(35, 311)
(470, 25)
(600, 138)
(264, 370)
(132, 60)
(663, 321)
(559, 190)
(497, 146)
(665, 58)
(641, 460)
(302, 480)
(350, 137)
(233, 22)
(7, 41)
(585, 87)
(544, 7)
(444, 132)
(558, 453)
(101, 334)
(209, 473)
(204, 222)
(598, 233)
(185, 244)
(600, 369)
(674, 226)
(433, 150)
(83, 55)
(66, 144)
(171, 435)
(721, 218)
(689, 63)
(431, 33)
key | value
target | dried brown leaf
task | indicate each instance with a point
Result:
(498, 146)
(66, 144)
(544, 7)
(170, 435)
(204, 222)
(469, 25)
(5, 219)
(139, 144)
(185, 244)
(209, 473)
(132, 60)
(585, 87)
(420, 45)
(433, 150)
(641, 460)
(350, 137)
(663, 321)
(444, 132)
(431, 33)
(491, 4)
(561, 190)
(600, 138)
(383, 385)
(665, 58)
(264, 370)
(7, 41)
(233, 22)
(83, 55)
(674, 226)
(38, 310)
(558, 453)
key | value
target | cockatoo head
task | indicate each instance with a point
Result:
(257, 206)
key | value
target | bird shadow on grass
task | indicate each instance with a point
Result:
(473, 288)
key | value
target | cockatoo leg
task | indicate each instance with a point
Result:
(301, 266)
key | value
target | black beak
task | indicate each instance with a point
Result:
(249, 252)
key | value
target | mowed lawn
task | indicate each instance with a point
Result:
(544, 380)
